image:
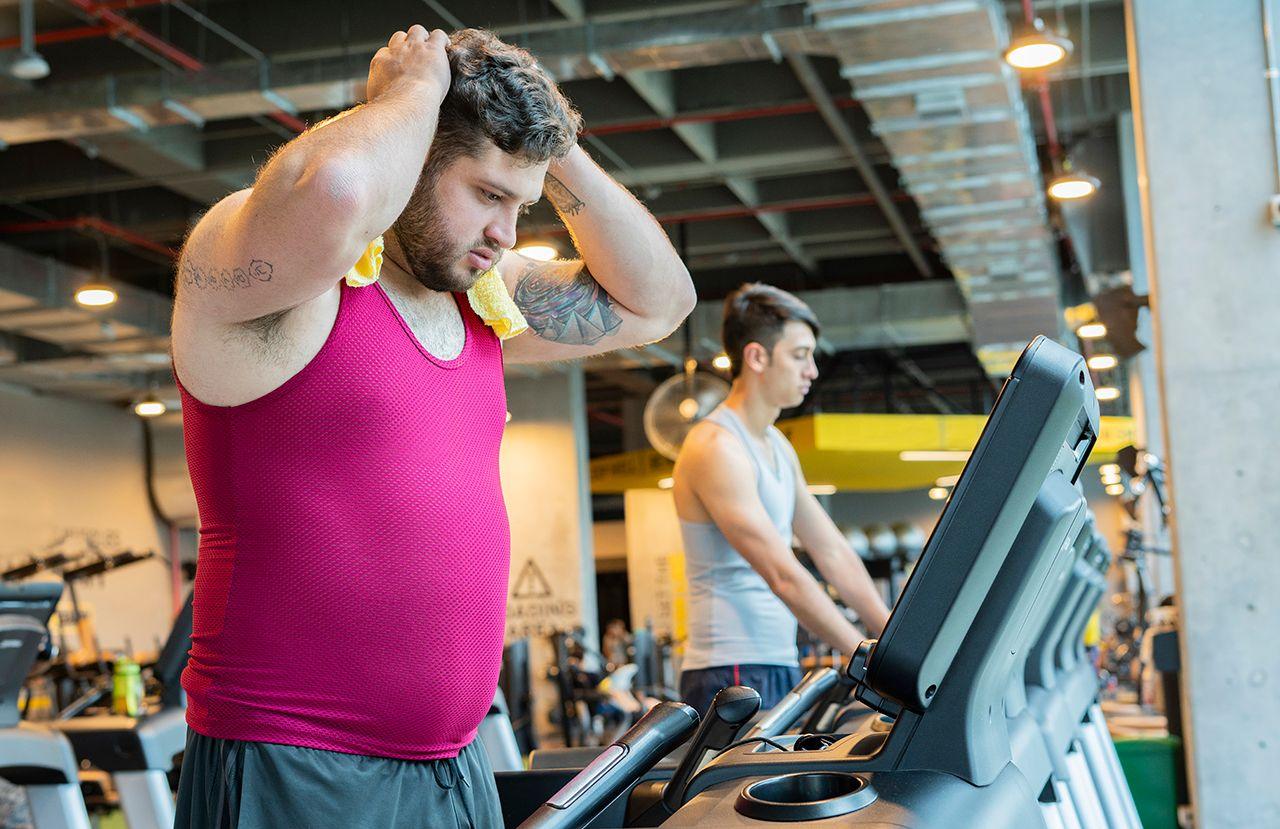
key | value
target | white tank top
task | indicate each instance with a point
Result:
(734, 618)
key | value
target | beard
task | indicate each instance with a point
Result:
(432, 258)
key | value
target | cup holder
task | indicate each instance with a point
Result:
(805, 796)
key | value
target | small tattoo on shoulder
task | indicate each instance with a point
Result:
(223, 279)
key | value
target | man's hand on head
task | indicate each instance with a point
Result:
(410, 60)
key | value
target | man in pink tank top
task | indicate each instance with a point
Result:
(343, 438)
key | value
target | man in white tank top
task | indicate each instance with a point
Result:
(740, 495)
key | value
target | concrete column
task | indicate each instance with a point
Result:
(1207, 170)
(547, 488)
(1144, 384)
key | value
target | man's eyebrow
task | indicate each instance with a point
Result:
(500, 190)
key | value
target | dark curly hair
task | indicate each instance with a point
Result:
(499, 93)
(757, 313)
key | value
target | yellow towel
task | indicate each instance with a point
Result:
(488, 296)
(365, 271)
(491, 302)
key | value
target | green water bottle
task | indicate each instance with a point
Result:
(126, 688)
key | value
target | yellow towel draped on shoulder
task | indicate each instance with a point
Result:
(488, 296)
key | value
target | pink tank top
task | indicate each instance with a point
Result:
(354, 546)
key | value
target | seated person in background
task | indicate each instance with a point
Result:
(740, 495)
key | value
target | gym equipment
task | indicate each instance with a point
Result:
(666, 726)
(728, 714)
(36, 564)
(799, 700)
(514, 682)
(1061, 692)
(139, 752)
(498, 736)
(946, 759)
(38, 760)
(943, 664)
(651, 799)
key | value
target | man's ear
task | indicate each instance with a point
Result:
(755, 357)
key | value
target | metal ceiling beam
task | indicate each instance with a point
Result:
(817, 91)
(902, 314)
(680, 37)
(770, 163)
(49, 284)
(657, 89)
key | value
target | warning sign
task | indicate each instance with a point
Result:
(530, 584)
(535, 608)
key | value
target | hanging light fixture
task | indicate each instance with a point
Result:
(29, 65)
(539, 251)
(722, 362)
(96, 296)
(1103, 362)
(1091, 331)
(149, 406)
(1073, 185)
(1107, 392)
(1037, 47)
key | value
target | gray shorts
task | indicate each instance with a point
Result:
(232, 784)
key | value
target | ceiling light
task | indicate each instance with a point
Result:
(722, 362)
(934, 455)
(939, 493)
(96, 296)
(822, 489)
(1107, 392)
(666, 483)
(1073, 185)
(1109, 469)
(1111, 479)
(539, 251)
(29, 66)
(1037, 48)
(688, 408)
(1091, 331)
(1102, 362)
(149, 406)
(1115, 489)
(948, 480)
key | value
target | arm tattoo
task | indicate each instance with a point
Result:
(575, 312)
(225, 279)
(564, 199)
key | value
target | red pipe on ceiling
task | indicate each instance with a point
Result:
(714, 117)
(91, 224)
(59, 36)
(121, 25)
(116, 25)
(713, 214)
(1046, 104)
(94, 224)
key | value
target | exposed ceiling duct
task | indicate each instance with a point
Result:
(952, 120)
(930, 76)
(54, 345)
(703, 34)
(892, 316)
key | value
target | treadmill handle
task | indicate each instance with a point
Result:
(793, 706)
(623, 763)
